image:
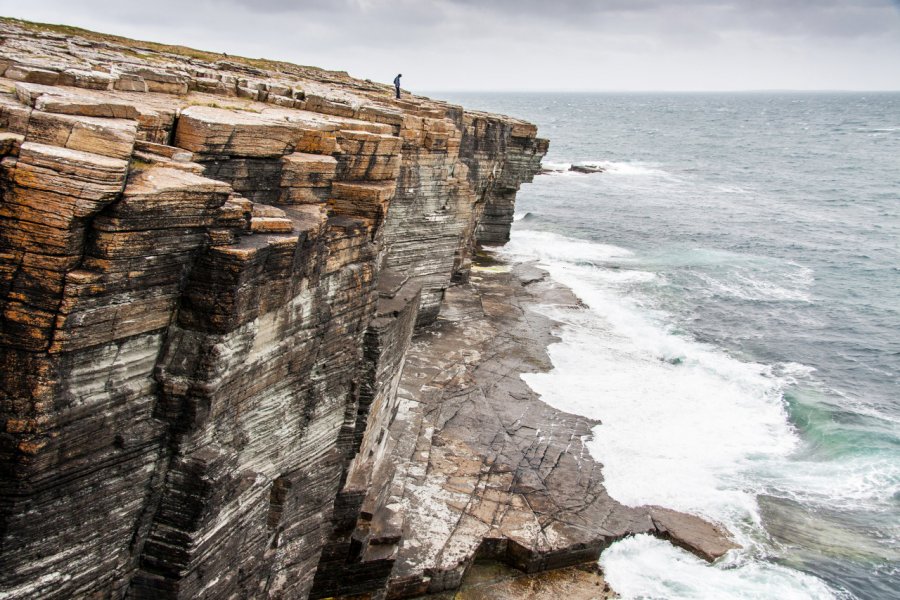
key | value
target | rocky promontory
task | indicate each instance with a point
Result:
(244, 352)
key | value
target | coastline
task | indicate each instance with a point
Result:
(489, 473)
(213, 269)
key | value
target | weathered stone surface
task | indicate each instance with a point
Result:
(130, 82)
(172, 152)
(495, 581)
(51, 194)
(692, 533)
(247, 131)
(209, 130)
(106, 137)
(13, 115)
(158, 80)
(306, 178)
(61, 101)
(360, 554)
(524, 159)
(93, 80)
(32, 74)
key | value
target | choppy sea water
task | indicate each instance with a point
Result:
(740, 264)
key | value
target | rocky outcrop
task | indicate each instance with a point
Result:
(524, 151)
(210, 271)
(483, 470)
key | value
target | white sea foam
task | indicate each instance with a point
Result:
(793, 370)
(647, 568)
(680, 418)
(684, 425)
(627, 168)
(853, 483)
(556, 167)
(552, 247)
(732, 189)
(755, 286)
(609, 167)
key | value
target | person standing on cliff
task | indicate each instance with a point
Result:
(397, 84)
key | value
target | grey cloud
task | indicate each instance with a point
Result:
(530, 44)
(843, 18)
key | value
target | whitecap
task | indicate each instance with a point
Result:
(756, 284)
(681, 419)
(624, 168)
(645, 568)
(543, 245)
(851, 483)
(683, 424)
(556, 167)
(627, 168)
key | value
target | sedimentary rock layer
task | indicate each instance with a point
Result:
(210, 272)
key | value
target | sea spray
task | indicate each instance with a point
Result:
(684, 425)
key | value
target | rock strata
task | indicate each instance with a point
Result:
(211, 272)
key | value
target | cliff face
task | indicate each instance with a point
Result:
(210, 272)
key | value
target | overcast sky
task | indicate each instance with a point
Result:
(554, 45)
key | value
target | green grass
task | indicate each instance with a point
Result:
(133, 47)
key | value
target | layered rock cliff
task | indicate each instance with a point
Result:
(210, 272)
(241, 353)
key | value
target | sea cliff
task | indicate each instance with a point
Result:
(213, 273)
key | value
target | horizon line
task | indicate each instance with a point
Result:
(666, 91)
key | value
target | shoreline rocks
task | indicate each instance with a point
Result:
(482, 469)
(587, 169)
(584, 169)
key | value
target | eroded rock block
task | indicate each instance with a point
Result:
(106, 137)
(158, 80)
(32, 74)
(130, 82)
(13, 115)
(92, 80)
(306, 178)
(55, 100)
(218, 131)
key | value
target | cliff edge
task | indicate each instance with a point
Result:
(210, 268)
(211, 272)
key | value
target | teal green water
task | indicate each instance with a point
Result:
(753, 242)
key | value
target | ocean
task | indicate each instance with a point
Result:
(739, 263)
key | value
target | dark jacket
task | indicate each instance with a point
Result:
(397, 81)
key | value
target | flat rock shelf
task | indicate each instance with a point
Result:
(484, 473)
